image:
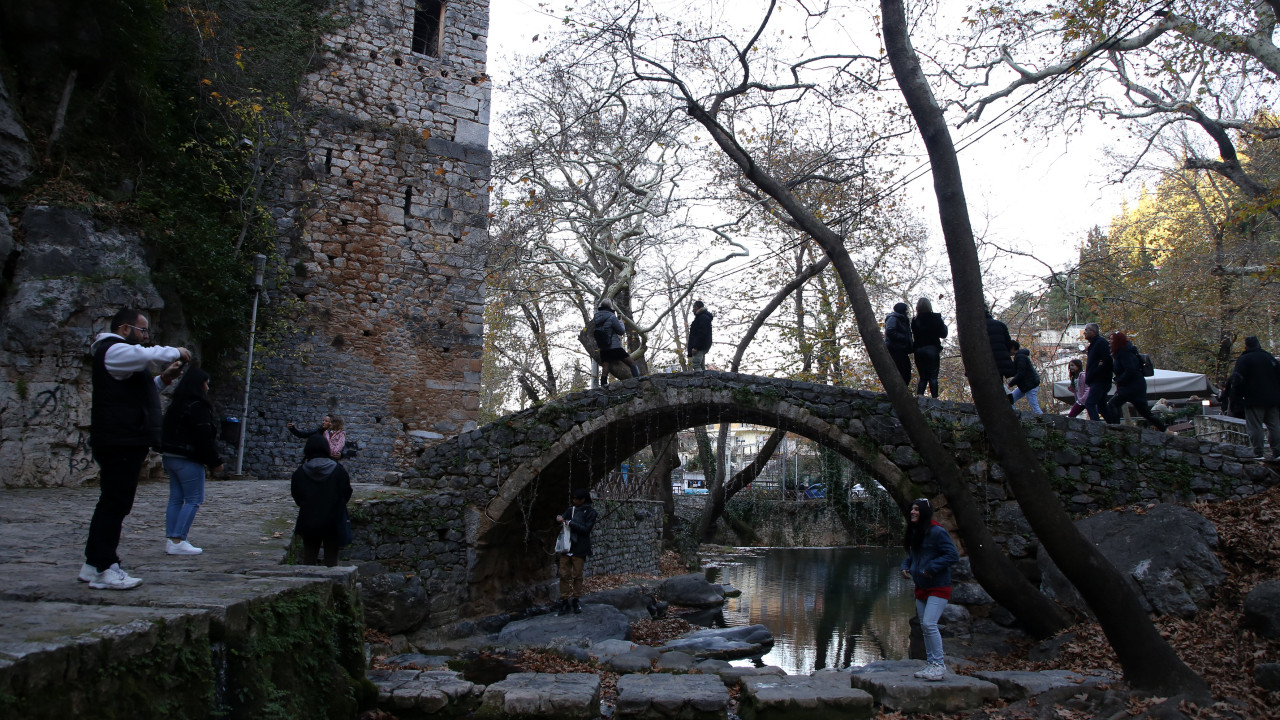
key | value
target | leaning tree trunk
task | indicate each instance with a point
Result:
(997, 573)
(1148, 661)
(665, 461)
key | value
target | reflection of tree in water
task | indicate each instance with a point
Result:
(826, 607)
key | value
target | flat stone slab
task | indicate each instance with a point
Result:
(823, 696)
(672, 697)
(543, 695)
(419, 693)
(1022, 684)
(732, 676)
(724, 643)
(596, 623)
(892, 685)
(640, 660)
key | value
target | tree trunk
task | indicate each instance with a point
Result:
(665, 461)
(993, 568)
(1148, 661)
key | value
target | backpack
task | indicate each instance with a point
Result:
(604, 336)
(1148, 368)
(350, 449)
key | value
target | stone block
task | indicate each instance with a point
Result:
(672, 697)
(543, 695)
(894, 686)
(1019, 684)
(822, 696)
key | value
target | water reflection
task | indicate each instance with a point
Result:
(826, 607)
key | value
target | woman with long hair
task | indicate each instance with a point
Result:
(927, 331)
(1131, 384)
(188, 444)
(321, 489)
(1079, 386)
(930, 555)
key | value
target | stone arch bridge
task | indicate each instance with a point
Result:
(513, 476)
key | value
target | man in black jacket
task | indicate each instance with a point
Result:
(126, 422)
(699, 336)
(1098, 369)
(897, 337)
(1001, 341)
(1255, 382)
(581, 518)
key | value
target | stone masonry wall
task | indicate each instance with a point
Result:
(807, 523)
(386, 236)
(426, 534)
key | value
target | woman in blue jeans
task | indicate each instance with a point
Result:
(930, 555)
(188, 444)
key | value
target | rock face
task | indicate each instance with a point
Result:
(692, 590)
(1166, 553)
(69, 279)
(1262, 608)
(596, 623)
(634, 602)
(394, 602)
(15, 152)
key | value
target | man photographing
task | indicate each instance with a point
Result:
(126, 421)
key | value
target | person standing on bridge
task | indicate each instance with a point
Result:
(927, 331)
(930, 555)
(1255, 385)
(1098, 369)
(699, 336)
(126, 422)
(581, 518)
(1131, 384)
(608, 332)
(897, 337)
(1000, 340)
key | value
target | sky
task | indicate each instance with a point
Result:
(1036, 196)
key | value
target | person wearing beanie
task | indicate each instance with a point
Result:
(699, 336)
(930, 555)
(188, 444)
(1255, 385)
(608, 332)
(580, 518)
(897, 337)
(1131, 384)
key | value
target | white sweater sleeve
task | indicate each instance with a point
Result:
(123, 359)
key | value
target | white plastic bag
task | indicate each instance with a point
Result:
(563, 540)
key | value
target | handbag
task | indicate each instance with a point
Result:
(563, 541)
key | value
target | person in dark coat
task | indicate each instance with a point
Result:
(1098, 371)
(1131, 384)
(1255, 385)
(605, 323)
(897, 337)
(699, 336)
(188, 444)
(930, 555)
(1025, 381)
(927, 331)
(581, 518)
(321, 489)
(125, 422)
(998, 336)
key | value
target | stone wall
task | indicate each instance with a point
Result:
(386, 236)
(777, 523)
(430, 535)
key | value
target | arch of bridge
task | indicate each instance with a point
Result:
(516, 472)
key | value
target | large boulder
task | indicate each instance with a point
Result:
(692, 590)
(393, 602)
(596, 623)
(15, 150)
(723, 643)
(634, 602)
(1262, 608)
(1165, 553)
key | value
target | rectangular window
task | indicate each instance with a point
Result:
(427, 15)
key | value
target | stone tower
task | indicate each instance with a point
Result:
(387, 233)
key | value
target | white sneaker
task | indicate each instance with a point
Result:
(182, 547)
(113, 578)
(87, 573)
(936, 673)
(923, 673)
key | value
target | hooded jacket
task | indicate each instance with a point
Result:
(700, 331)
(897, 330)
(1256, 380)
(927, 330)
(1025, 376)
(998, 336)
(581, 521)
(1098, 366)
(189, 430)
(321, 488)
(608, 319)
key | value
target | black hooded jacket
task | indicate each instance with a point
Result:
(897, 330)
(700, 332)
(1025, 376)
(581, 521)
(189, 429)
(998, 336)
(928, 330)
(1128, 368)
(1256, 379)
(321, 488)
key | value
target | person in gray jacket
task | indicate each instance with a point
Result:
(609, 332)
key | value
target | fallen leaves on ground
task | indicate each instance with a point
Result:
(657, 632)
(544, 661)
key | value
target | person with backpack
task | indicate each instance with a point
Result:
(608, 332)
(1025, 381)
(927, 331)
(1255, 385)
(897, 337)
(1131, 383)
(188, 444)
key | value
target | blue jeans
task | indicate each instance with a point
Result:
(929, 611)
(1096, 403)
(186, 492)
(1033, 398)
